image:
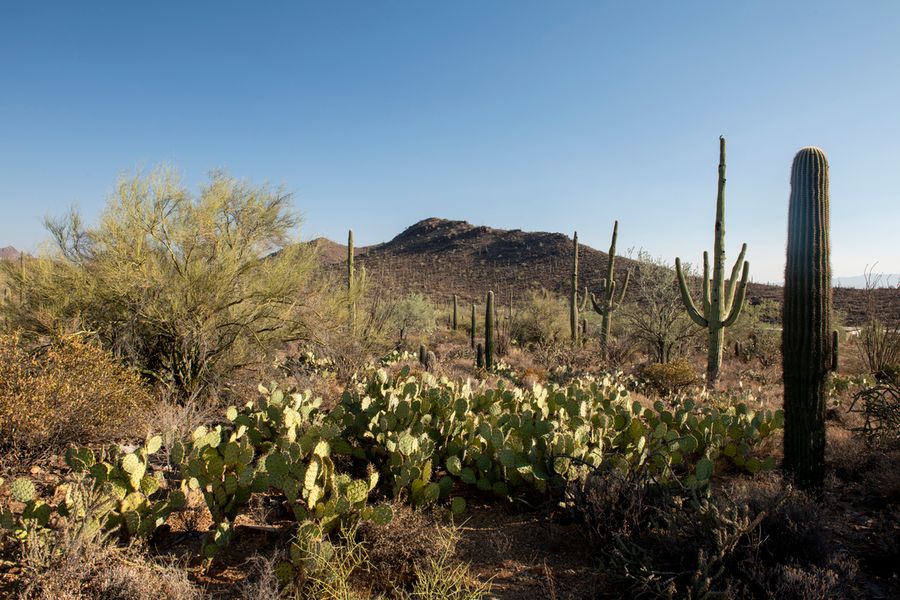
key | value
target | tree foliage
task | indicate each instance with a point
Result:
(187, 288)
(657, 319)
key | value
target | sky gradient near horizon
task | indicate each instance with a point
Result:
(546, 116)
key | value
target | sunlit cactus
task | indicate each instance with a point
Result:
(608, 302)
(721, 307)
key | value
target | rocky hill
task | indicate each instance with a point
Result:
(9, 253)
(439, 258)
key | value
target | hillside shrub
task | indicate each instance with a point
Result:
(671, 377)
(656, 318)
(189, 289)
(541, 320)
(414, 313)
(879, 338)
(69, 390)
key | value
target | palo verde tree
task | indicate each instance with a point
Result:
(721, 307)
(188, 288)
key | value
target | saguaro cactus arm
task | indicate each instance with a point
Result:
(686, 294)
(738, 265)
(737, 300)
(625, 285)
(706, 300)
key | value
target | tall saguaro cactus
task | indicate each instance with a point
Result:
(808, 346)
(573, 293)
(455, 302)
(608, 303)
(472, 327)
(721, 306)
(489, 332)
(351, 305)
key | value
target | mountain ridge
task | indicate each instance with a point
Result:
(442, 257)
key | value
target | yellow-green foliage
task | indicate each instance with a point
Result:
(668, 378)
(188, 288)
(67, 391)
(543, 319)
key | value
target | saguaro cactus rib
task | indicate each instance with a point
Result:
(721, 306)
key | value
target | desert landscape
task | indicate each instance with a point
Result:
(380, 378)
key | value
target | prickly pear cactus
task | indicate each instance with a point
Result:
(138, 501)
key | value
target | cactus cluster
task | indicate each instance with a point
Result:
(282, 443)
(721, 307)
(131, 485)
(430, 436)
(118, 491)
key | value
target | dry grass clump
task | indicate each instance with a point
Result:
(400, 550)
(68, 391)
(78, 562)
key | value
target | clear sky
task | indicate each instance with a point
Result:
(545, 116)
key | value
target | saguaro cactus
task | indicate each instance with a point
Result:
(721, 307)
(608, 302)
(573, 292)
(808, 346)
(472, 327)
(489, 332)
(455, 302)
(351, 305)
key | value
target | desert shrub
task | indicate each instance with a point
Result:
(879, 345)
(542, 319)
(671, 377)
(188, 289)
(69, 390)
(665, 542)
(414, 313)
(879, 338)
(656, 318)
(880, 406)
(757, 334)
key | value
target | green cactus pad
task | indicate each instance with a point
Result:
(22, 490)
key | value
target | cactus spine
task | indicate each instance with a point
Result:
(573, 293)
(455, 302)
(489, 332)
(808, 346)
(721, 307)
(472, 327)
(608, 302)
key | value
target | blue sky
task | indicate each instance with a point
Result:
(544, 116)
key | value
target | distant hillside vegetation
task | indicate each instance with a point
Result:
(439, 258)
